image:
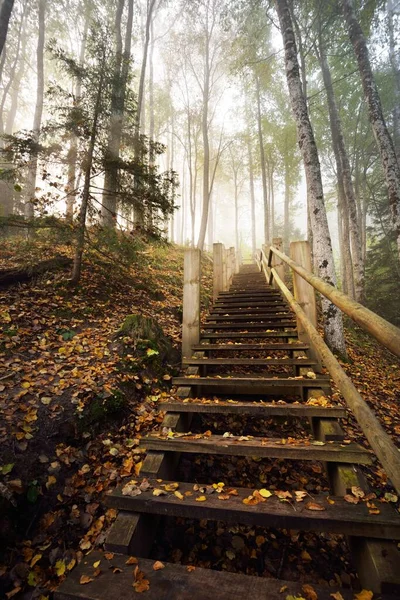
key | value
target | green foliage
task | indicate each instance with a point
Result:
(103, 408)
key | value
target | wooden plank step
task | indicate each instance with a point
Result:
(261, 324)
(250, 317)
(256, 295)
(253, 408)
(261, 346)
(248, 311)
(299, 362)
(175, 582)
(250, 380)
(261, 447)
(340, 517)
(256, 334)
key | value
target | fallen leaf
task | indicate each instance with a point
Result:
(158, 565)
(357, 491)
(309, 592)
(201, 498)
(265, 493)
(132, 560)
(314, 506)
(364, 595)
(85, 579)
(60, 568)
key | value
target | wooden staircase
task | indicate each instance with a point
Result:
(273, 377)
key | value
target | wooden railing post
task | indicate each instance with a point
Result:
(304, 293)
(191, 300)
(218, 275)
(224, 269)
(277, 263)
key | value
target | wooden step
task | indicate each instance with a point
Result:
(340, 517)
(249, 311)
(256, 334)
(240, 303)
(298, 362)
(175, 582)
(261, 447)
(256, 408)
(275, 316)
(237, 347)
(244, 326)
(251, 380)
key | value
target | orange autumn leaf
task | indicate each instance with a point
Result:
(85, 579)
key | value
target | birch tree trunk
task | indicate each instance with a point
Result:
(344, 174)
(383, 138)
(5, 14)
(262, 160)
(37, 120)
(333, 323)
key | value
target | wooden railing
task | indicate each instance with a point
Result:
(271, 261)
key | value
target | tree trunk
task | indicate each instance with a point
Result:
(73, 149)
(286, 211)
(5, 14)
(252, 201)
(206, 141)
(263, 165)
(383, 138)
(333, 324)
(140, 213)
(344, 173)
(80, 238)
(37, 120)
(109, 198)
(396, 76)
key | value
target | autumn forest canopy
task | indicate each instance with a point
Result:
(183, 118)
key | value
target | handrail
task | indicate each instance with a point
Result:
(380, 441)
(386, 333)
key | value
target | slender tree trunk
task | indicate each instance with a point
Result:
(347, 263)
(263, 163)
(206, 143)
(343, 266)
(333, 324)
(80, 238)
(383, 138)
(109, 199)
(73, 148)
(396, 76)
(252, 201)
(37, 120)
(272, 200)
(16, 84)
(5, 14)
(286, 211)
(344, 173)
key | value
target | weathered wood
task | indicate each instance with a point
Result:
(251, 381)
(327, 430)
(175, 582)
(276, 316)
(248, 311)
(262, 447)
(244, 326)
(248, 361)
(386, 333)
(132, 533)
(257, 408)
(277, 262)
(218, 275)
(381, 443)
(340, 517)
(191, 300)
(250, 334)
(304, 293)
(238, 346)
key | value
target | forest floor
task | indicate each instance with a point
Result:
(74, 405)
